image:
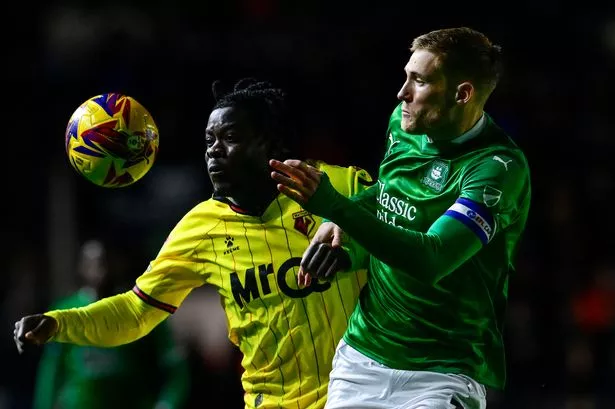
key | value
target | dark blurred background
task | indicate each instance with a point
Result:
(343, 63)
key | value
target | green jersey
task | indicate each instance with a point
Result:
(137, 375)
(439, 265)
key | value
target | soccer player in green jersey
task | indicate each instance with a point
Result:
(77, 377)
(441, 227)
(246, 241)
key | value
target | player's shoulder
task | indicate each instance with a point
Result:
(499, 151)
(395, 117)
(498, 154)
(500, 162)
(327, 167)
(206, 206)
(343, 174)
(190, 230)
(203, 215)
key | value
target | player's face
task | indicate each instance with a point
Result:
(237, 159)
(92, 264)
(427, 101)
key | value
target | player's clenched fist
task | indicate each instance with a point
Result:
(34, 330)
(324, 257)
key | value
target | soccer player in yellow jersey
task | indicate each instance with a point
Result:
(247, 241)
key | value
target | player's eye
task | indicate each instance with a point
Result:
(231, 137)
(209, 140)
(414, 77)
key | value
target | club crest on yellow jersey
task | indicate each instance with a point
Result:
(304, 222)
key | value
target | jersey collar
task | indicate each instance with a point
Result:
(274, 210)
(233, 206)
(429, 146)
(472, 132)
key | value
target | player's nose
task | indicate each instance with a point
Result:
(216, 150)
(405, 93)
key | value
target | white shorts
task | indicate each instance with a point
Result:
(359, 382)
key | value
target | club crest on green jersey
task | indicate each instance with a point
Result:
(437, 175)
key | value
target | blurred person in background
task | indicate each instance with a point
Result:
(246, 241)
(78, 377)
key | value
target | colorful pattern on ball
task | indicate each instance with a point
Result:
(112, 140)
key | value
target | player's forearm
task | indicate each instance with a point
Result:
(402, 249)
(359, 258)
(426, 256)
(108, 322)
(367, 198)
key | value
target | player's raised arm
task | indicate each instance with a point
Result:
(330, 251)
(469, 223)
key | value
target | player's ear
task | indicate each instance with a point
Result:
(465, 92)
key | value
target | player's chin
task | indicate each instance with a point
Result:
(222, 188)
(407, 125)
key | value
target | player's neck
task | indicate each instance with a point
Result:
(469, 122)
(456, 129)
(255, 201)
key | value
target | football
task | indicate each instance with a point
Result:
(111, 140)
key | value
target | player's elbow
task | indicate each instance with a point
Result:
(150, 320)
(440, 274)
(138, 329)
(144, 318)
(438, 264)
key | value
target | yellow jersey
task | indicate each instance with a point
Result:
(287, 334)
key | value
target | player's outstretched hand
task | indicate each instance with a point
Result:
(324, 256)
(34, 330)
(296, 179)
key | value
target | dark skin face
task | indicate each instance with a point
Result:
(237, 160)
(238, 166)
(92, 266)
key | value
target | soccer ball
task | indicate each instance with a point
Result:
(111, 140)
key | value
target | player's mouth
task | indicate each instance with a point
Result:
(215, 169)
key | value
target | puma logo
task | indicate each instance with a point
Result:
(502, 161)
